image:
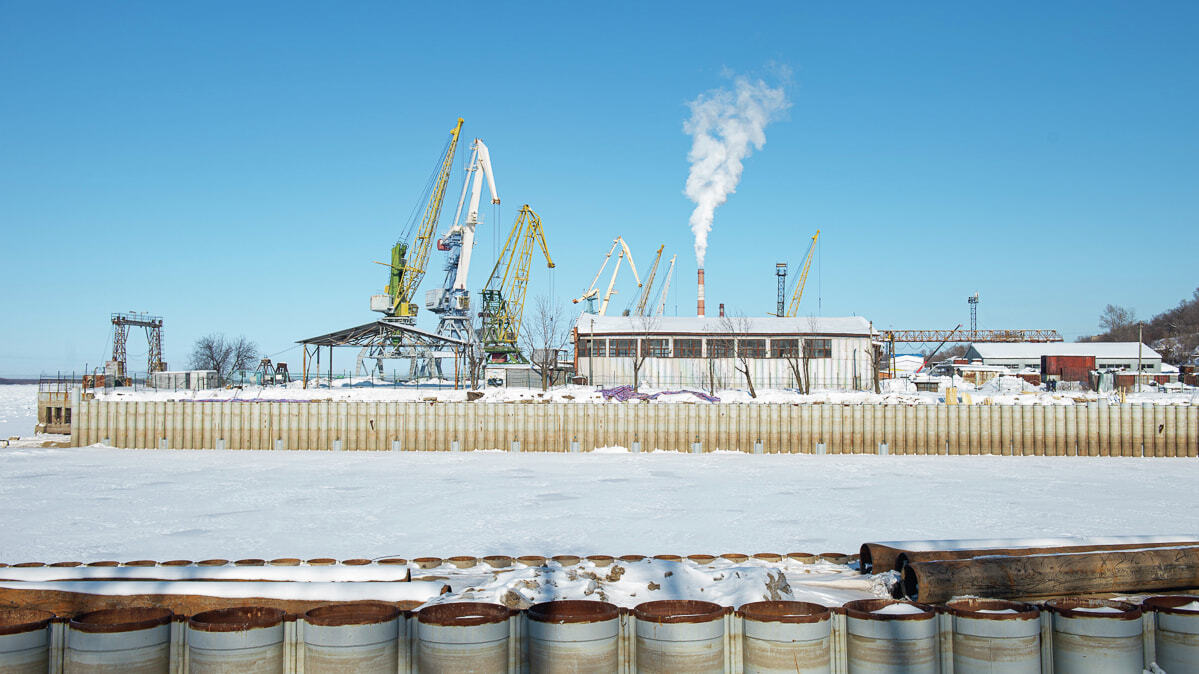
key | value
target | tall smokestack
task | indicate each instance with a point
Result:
(700, 308)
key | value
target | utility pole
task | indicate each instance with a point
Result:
(1140, 331)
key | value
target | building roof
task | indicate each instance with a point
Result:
(689, 325)
(1027, 350)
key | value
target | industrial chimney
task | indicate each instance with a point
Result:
(700, 308)
(722, 309)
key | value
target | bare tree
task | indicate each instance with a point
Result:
(797, 363)
(1115, 317)
(643, 348)
(544, 335)
(745, 349)
(475, 356)
(215, 352)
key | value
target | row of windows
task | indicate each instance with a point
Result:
(716, 348)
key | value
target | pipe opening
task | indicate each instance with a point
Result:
(888, 609)
(463, 614)
(785, 612)
(338, 615)
(237, 619)
(285, 561)
(909, 584)
(212, 562)
(121, 619)
(1094, 608)
(866, 562)
(178, 562)
(573, 611)
(992, 609)
(1180, 604)
(321, 561)
(355, 562)
(669, 611)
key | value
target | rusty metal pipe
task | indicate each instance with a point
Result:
(882, 555)
(909, 556)
(1102, 571)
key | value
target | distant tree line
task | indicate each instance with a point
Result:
(1174, 333)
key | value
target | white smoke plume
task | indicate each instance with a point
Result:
(724, 125)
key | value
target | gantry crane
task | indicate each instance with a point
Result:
(504, 293)
(408, 261)
(797, 295)
(592, 292)
(452, 301)
(649, 283)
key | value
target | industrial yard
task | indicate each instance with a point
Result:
(642, 339)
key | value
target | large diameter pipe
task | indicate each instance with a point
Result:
(909, 556)
(1104, 571)
(1176, 631)
(881, 556)
(245, 640)
(883, 635)
(786, 636)
(136, 639)
(992, 636)
(463, 637)
(676, 635)
(25, 641)
(1096, 636)
(573, 636)
(360, 637)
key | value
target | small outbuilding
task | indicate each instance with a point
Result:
(1027, 355)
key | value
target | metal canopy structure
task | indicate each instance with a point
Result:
(933, 336)
(386, 338)
(120, 334)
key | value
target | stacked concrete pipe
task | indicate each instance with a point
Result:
(25, 641)
(136, 639)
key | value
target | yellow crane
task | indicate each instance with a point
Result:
(408, 261)
(797, 295)
(504, 293)
(649, 283)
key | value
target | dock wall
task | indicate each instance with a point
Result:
(1028, 430)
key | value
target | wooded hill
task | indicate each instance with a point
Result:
(1174, 333)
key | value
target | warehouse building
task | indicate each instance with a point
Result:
(1027, 355)
(705, 353)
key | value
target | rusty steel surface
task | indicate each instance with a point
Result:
(864, 609)
(464, 614)
(19, 620)
(784, 611)
(909, 556)
(572, 611)
(121, 619)
(976, 608)
(236, 619)
(1048, 575)
(351, 613)
(672, 611)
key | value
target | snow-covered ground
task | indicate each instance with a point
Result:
(99, 503)
(18, 410)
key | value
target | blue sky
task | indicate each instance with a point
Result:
(237, 168)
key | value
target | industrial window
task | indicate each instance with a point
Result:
(784, 348)
(751, 348)
(585, 348)
(622, 348)
(655, 348)
(66, 415)
(818, 348)
(688, 348)
(720, 348)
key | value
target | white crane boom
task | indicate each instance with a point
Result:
(665, 288)
(479, 166)
(592, 292)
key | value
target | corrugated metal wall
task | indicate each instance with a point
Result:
(1085, 430)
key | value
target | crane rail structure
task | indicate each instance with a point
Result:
(971, 336)
(504, 292)
(121, 323)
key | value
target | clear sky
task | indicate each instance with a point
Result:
(236, 167)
